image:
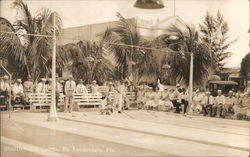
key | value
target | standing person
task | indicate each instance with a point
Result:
(120, 94)
(207, 104)
(70, 87)
(17, 90)
(59, 90)
(80, 88)
(94, 87)
(5, 90)
(218, 104)
(28, 88)
(173, 95)
(41, 86)
(184, 100)
(178, 100)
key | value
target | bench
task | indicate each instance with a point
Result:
(89, 99)
(130, 95)
(43, 101)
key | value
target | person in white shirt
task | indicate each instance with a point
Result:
(70, 87)
(80, 88)
(41, 86)
(219, 102)
(94, 87)
(5, 90)
(17, 90)
(207, 103)
(229, 103)
(196, 105)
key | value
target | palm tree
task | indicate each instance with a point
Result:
(10, 47)
(84, 60)
(35, 51)
(187, 40)
(128, 60)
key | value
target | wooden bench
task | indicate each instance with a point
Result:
(130, 95)
(89, 99)
(43, 101)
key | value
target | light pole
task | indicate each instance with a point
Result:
(52, 113)
(190, 100)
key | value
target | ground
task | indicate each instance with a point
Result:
(132, 133)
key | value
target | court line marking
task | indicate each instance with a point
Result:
(158, 134)
(31, 148)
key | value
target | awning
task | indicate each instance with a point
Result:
(224, 82)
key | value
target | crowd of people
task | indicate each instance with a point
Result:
(235, 104)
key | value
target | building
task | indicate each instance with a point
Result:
(148, 28)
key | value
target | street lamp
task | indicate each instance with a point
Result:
(149, 4)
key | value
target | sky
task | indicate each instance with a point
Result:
(83, 12)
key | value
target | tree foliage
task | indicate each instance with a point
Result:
(31, 52)
(129, 60)
(214, 31)
(187, 40)
(245, 67)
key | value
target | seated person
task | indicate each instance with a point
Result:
(140, 97)
(80, 88)
(41, 86)
(149, 99)
(106, 105)
(197, 98)
(207, 104)
(219, 102)
(17, 90)
(229, 103)
(94, 87)
(157, 97)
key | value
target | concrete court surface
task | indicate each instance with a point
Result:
(132, 133)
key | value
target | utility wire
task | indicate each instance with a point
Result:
(103, 42)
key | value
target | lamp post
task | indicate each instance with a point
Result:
(52, 114)
(190, 99)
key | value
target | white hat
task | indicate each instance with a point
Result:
(219, 90)
(19, 80)
(43, 79)
(5, 77)
(70, 76)
(178, 85)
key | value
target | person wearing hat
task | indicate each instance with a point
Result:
(81, 88)
(70, 87)
(41, 86)
(219, 102)
(94, 87)
(17, 90)
(207, 104)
